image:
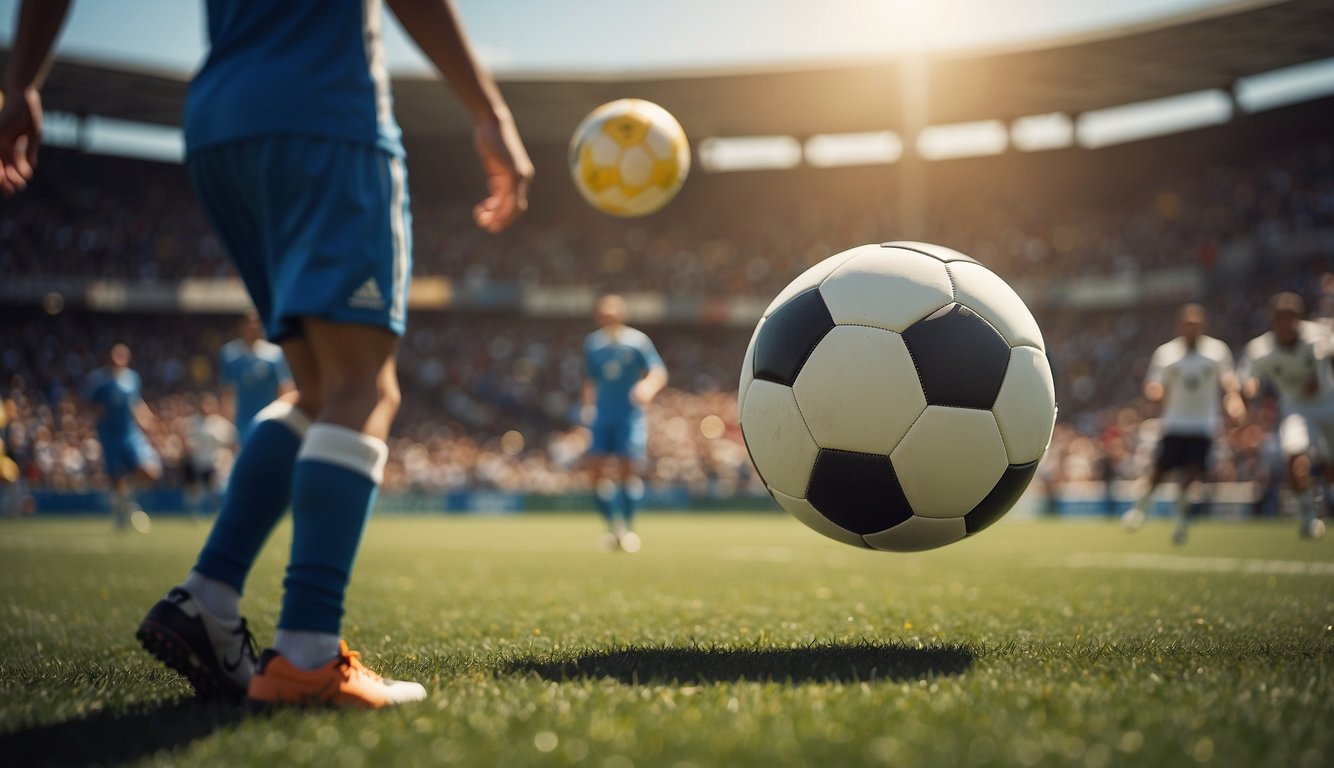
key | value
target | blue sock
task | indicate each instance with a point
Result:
(605, 493)
(337, 478)
(632, 495)
(257, 494)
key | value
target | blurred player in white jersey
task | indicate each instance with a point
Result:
(1294, 356)
(207, 432)
(1189, 375)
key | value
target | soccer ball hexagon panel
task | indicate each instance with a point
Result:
(897, 397)
(629, 157)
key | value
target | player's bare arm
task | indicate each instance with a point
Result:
(227, 403)
(648, 387)
(1234, 404)
(147, 420)
(588, 400)
(434, 25)
(21, 115)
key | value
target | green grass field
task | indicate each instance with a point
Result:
(730, 640)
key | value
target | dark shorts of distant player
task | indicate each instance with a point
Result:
(316, 227)
(1183, 452)
(195, 475)
(127, 455)
(627, 437)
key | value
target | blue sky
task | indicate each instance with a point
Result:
(630, 35)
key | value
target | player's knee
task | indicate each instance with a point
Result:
(148, 474)
(307, 400)
(363, 395)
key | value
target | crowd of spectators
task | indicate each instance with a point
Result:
(489, 402)
(136, 220)
(490, 397)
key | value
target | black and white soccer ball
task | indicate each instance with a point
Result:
(897, 397)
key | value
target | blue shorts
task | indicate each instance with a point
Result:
(316, 228)
(124, 455)
(626, 436)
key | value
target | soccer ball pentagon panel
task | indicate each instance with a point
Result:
(629, 157)
(897, 397)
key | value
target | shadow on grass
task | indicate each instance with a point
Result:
(113, 738)
(860, 662)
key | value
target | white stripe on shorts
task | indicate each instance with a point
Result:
(398, 226)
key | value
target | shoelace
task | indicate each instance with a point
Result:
(249, 640)
(352, 661)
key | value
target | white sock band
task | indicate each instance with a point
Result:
(287, 414)
(346, 448)
(219, 597)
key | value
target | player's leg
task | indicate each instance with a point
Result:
(193, 488)
(1194, 462)
(147, 472)
(258, 491)
(604, 496)
(631, 498)
(208, 492)
(1190, 477)
(633, 456)
(130, 463)
(339, 469)
(114, 464)
(1294, 435)
(1323, 476)
(603, 463)
(342, 222)
(1133, 519)
(1299, 483)
(119, 497)
(197, 629)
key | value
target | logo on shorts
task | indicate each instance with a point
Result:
(368, 296)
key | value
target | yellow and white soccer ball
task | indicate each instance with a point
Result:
(629, 157)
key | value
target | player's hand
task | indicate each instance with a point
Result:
(641, 393)
(588, 414)
(20, 136)
(1235, 406)
(508, 173)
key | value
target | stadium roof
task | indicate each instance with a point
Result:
(1201, 50)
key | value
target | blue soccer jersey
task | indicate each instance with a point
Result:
(254, 374)
(116, 394)
(615, 365)
(292, 67)
(124, 447)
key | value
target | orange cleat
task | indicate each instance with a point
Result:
(343, 682)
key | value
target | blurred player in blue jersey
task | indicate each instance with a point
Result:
(122, 418)
(253, 372)
(623, 373)
(293, 148)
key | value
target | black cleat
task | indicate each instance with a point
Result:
(218, 660)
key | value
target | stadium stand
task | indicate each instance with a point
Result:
(1104, 244)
